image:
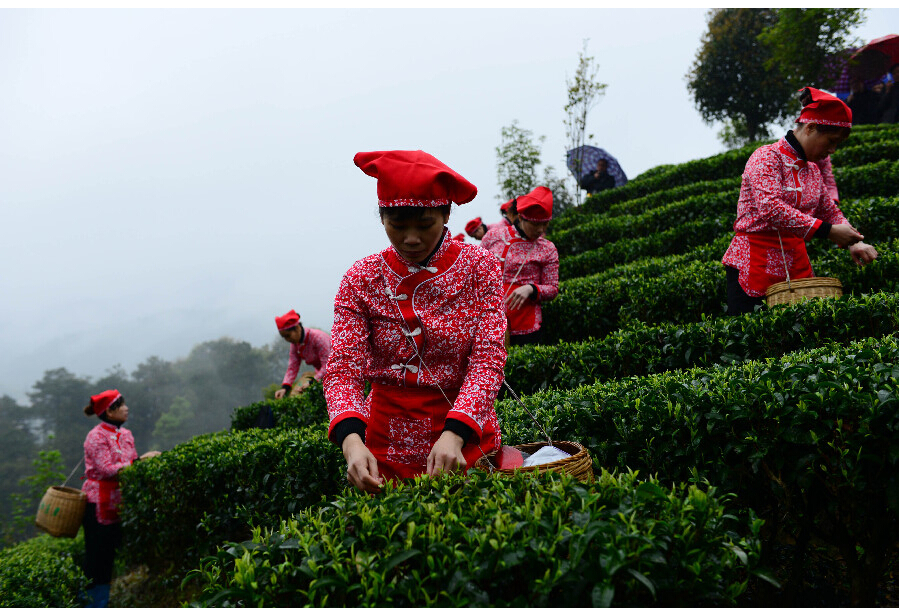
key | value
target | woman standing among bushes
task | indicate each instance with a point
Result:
(784, 201)
(310, 345)
(530, 264)
(108, 448)
(422, 321)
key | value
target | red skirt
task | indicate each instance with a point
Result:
(405, 423)
(110, 496)
(524, 318)
(766, 261)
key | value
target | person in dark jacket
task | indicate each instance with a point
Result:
(864, 102)
(599, 180)
(889, 103)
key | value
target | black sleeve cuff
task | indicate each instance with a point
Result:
(347, 427)
(536, 291)
(823, 231)
(459, 428)
(287, 386)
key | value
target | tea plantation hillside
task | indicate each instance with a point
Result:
(739, 460)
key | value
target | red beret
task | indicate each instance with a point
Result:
(472, 225)
(826, 109)
(287, 321)
(537, 205)
(412, 178)
(100, 403)
(459, 237)
(507, 205)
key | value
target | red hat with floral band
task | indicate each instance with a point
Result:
(537, 205)
(473, 225)
(507, 205)
(102, 402)
(291, 319)
(825, 109)
(412, 178)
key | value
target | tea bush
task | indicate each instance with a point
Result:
(674, 182)
(643, 349)
(484, 540)
(591, 307)
(807, 441)
(875, 217)
(44, 572)
(306, 409)
(868, 152)
(182, 504)
(571, 218)
(680, 238)
(721, 166)
(874, 179)
(602, 230)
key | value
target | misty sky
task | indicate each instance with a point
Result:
(169, 177)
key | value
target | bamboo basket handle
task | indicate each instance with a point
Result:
(66, 482)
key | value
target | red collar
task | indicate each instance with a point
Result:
(784, 147)
(441, 259)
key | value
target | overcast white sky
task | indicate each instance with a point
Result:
(174, 176)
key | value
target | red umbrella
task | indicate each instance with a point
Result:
(875, 58)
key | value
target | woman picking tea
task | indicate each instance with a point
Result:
(421, 321)
(530, 264)
(312, 346)
(784, 201)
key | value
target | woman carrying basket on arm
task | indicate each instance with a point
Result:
(108, 448)
(783, 202)
(422, 321)
(530, 264)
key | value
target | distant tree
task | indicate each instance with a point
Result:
(47, 470)
(220, 375)
(153, 386)
(562, 197)
(730, 81)
(19, 449)
(173, 426)
(517, 157)
(805, 44)
(58, 400)
(584, 91)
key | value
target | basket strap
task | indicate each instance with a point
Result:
(783, 256)
(66, 482)
(521, 403)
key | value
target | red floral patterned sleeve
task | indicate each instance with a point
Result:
(764, 176)
(827, 210)
(830, 184)
(350, 349)
(293, 366)
(488, 353)
(548, 287)
(319, 348)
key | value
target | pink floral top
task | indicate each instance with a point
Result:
(503, 223)
(779, 192)
(527, 262)
(401, 324)
(827, 175)
(314, 350)
(107, 449)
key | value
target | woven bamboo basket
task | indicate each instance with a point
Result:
(578, 465)
(797, 289)
(61, 511)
